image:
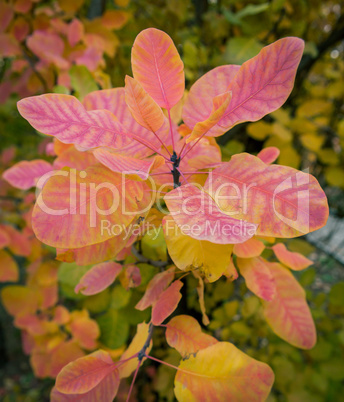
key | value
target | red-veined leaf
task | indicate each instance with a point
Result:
(258, 277)
(288, 313)
(84, 374)
(61, 213)
(19, 299)
(5, 239)
(64, 117)
(24, 175)
(98, 278)
(156, 64)
(105, 391)
(113, 100)
(199, 217)
(185, 334)
(167, 303)
(144, 109)
(75, 32)
(73, 158)
(154, 288)
(283, 201)
(199, 102)
(132, 167)
(295, 261)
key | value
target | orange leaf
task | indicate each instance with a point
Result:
(98, 196)
(84, 374)
(258, 277)
(288, 313)
(295, 261)
(144, 109)
(220, 104)
(185, 334)
(156, 64)
(98, 278)
(19, 299)
(154, 288)
(250, 248)
(106, 390)
(167, 303)
(9, 271)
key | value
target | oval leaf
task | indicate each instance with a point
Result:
(65, 118)
(198, 216)
(98, 278)
(258, 277)
(185, 334)
(283, 201)
(24, 175)
(295, 261)
(158, 67)
(82, 375)
(167, 303)
(144, 109)
(288, 313)
(223, 371)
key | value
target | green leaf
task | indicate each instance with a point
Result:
(68, 276)
(114, 328)
(240, 49)
(119, 297)
(82, 81)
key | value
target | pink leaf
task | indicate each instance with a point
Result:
(295, 261)
(258, 277)
(64, 117)
(24, 175)
(113, 100)
(269, 155)
(167, 303)
(156, 64)
(283, 201)
(155, 288)
(288, 313)
(98, 278)
(128, 165)
(199, 217)
(270, 75)
(199, 102)
(75, 32)
(48, 47)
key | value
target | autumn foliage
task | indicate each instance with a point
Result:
(140, 164)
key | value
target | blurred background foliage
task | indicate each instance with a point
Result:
(78, 46)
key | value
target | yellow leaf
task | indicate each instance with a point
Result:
(260, 130)
(312, 141)
(212, 259)
(334, 176)
(222, 372)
